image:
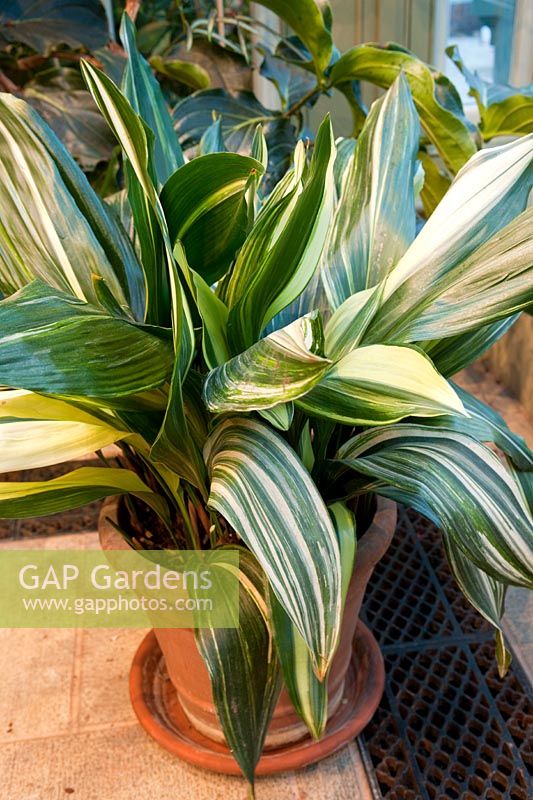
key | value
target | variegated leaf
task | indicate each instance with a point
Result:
(280, 416)
(262, 489)
(309, 695)
(374, 223)
(454, 353)
(58, 441)
(488, 520)
(278, 368)
(283, 250)
(486, 425)
(495, 282)
(380, 384)
(486, 195)
(244, 668)
(347, 325)
(144, 93)
(485, 593)
(77, 488)
(54, 227)
(56, 344)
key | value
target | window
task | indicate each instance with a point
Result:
(483, 30)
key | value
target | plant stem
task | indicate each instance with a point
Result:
(305, 99)
(193, 540)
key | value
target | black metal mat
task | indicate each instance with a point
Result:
(448, 726)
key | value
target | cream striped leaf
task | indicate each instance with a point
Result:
(136, 142)
(278, 368)
(309, 696)
(486, 425)
(346, 327)
(54, 227)
(452, 354)
(492, 284)
(488, 520)
(486, 195)
(173, 442)
(259, 485)
(380, 384)
(21, 404)
(279, 416)
(283, 250)
(55, 344)
(485, 593)
(374, 222)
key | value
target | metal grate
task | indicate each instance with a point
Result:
(448, 726)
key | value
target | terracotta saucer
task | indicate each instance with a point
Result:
(157, 706)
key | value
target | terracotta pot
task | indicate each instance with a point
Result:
(190, 678)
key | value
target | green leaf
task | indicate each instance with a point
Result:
(53, 225)
(204, 203)
(446, 129)
(40, 498)
(137, 143)
(281, 367)
(435, 185)
(174, 447)
(56, 344)
(374, 222)
(213, 140)
(239, 115)
(243, 668)
(488, 520)
(504, 110)
(283, 249)
(215, 319)
(311, 21)
(380, 384)
(59, 96)
(259, 485)
(485, 196)
(280, 416)
(193, 75)
(308, 695)
(145, 95)
(486, 594)
(292, 83)
(511, 117)
(43, 24)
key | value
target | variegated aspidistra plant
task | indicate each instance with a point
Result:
(265, 363)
